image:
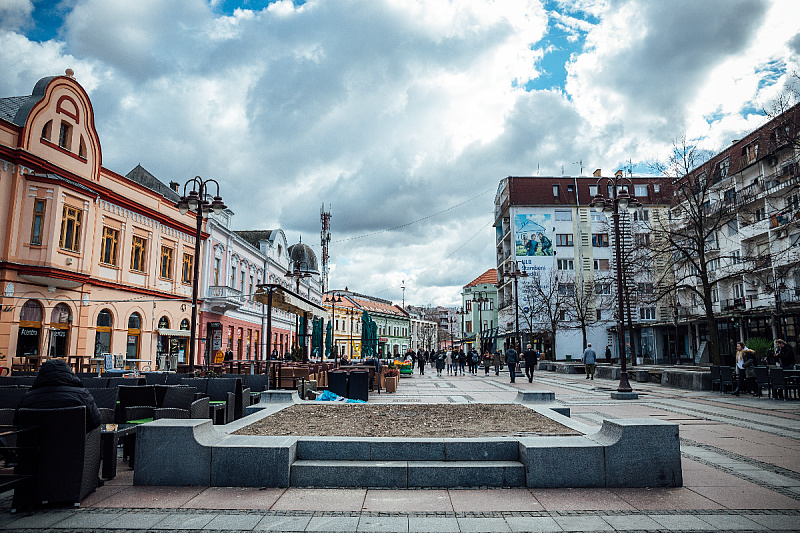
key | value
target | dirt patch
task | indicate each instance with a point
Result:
(402, 420)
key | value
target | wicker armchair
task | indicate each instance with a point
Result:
(66, 460)
(179, 402)
(135, 402)
(106, 400)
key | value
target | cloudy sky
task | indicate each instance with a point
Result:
(401, 115)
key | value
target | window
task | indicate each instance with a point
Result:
(793, 201)
(723, 166)
(656, 189)
(468, 304)
(138, 253)
(738, 291)
(47, 130)
(166, 262)
(730, 196)
(188, 268)
(602, 288)
(562, 315)
(733, 227)
(601, 264)
(750, 152)
(216, 270)
(598, 217)
(38, 221)
(647, 313)
(599, 314)
(241, 281)
(65, 136)
(134, 332)
(645, 288)
(760, 214)
(564, 239)
(468, 326)
(736, 257)
(600, 239)
(232, 284)
(644, 215)
(102, 339)
(642, 239)
(593, 190)
(71, 228)
(555, 190)
(563, 214)
(640, 191)
(570, 188)
(566, 289)
(715, 295)
(566, 264)
(108, 247)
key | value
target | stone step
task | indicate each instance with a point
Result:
(407, 474)
(407, 449)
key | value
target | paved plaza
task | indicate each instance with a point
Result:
(741, 472)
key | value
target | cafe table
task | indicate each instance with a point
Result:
(110, 436)
(134, 366)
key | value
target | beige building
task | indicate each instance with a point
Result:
(91, 261)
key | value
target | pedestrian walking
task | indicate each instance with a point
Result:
(449, 362)
(421, 360)
(496, 362)
(474, 361)
(589, 359)
(487, 362)
(744, 363)
(413, 359)
(441, 360)
(530, 356)
(512, 358)
(608, 354)
(462, 361)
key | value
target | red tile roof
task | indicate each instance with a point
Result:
(490, 277)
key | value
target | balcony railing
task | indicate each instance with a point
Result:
(224, 298)
(733, 304)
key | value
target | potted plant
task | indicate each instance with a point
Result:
(390, 378)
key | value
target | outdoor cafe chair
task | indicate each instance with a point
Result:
(106, 401)
(94, 382)
(778, 385)
(155, 378)
(131, 382)
(180, 402)
(725, 378)
(173, 379)
(135, 403)
(65, 459)
(762, 381)
(715, 378)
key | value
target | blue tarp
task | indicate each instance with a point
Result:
(328, 396)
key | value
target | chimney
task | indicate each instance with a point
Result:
(619, 173)
(174, 185)
(597, 173)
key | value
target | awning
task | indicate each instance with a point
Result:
(174, 332)
(285, 300)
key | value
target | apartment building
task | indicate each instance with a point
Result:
(479, 318)
(751, 193)
(91, 261)
(546, 228)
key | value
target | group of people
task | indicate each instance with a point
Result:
(458, 362)
(746, 361)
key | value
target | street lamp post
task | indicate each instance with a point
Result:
(196, 201)
(779, 308)
(515, 273)
(335, 299)
(620, 200)
(461, 312)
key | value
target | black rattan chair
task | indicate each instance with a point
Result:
(725, 378)
(762, 381)
(180, 402)
(106, 401)
(715, 378)
(66, 459)
(135, 403)
(94, 382)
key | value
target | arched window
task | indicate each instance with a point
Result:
(60, 319)
(30, 329)
(102, 339)
(163, 340)
(31, 312)
(134, 333)
(183, 344)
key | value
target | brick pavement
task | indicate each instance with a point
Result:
(740, 469)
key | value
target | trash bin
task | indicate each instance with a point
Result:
(359, 386)
(337, 383)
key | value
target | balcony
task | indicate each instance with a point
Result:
(222, 298)
(754, 230)
(733, 304)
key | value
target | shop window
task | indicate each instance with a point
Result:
(37, 225)
(71, 228)
(108, 251)
(60, 320)
(102, 340)
(183, 344)
(30, 329)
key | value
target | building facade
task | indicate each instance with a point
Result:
(752, 254)
(92, 261)
(546, 228)
(479, 299)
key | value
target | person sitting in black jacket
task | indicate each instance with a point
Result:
(56, 386)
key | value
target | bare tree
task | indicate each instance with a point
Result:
(545, 296)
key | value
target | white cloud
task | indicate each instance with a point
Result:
(394, 110)
(15, 14)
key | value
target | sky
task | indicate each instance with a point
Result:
(401, 116)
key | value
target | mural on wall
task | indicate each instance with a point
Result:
(532, 236)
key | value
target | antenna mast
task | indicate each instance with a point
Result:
(325, 239)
